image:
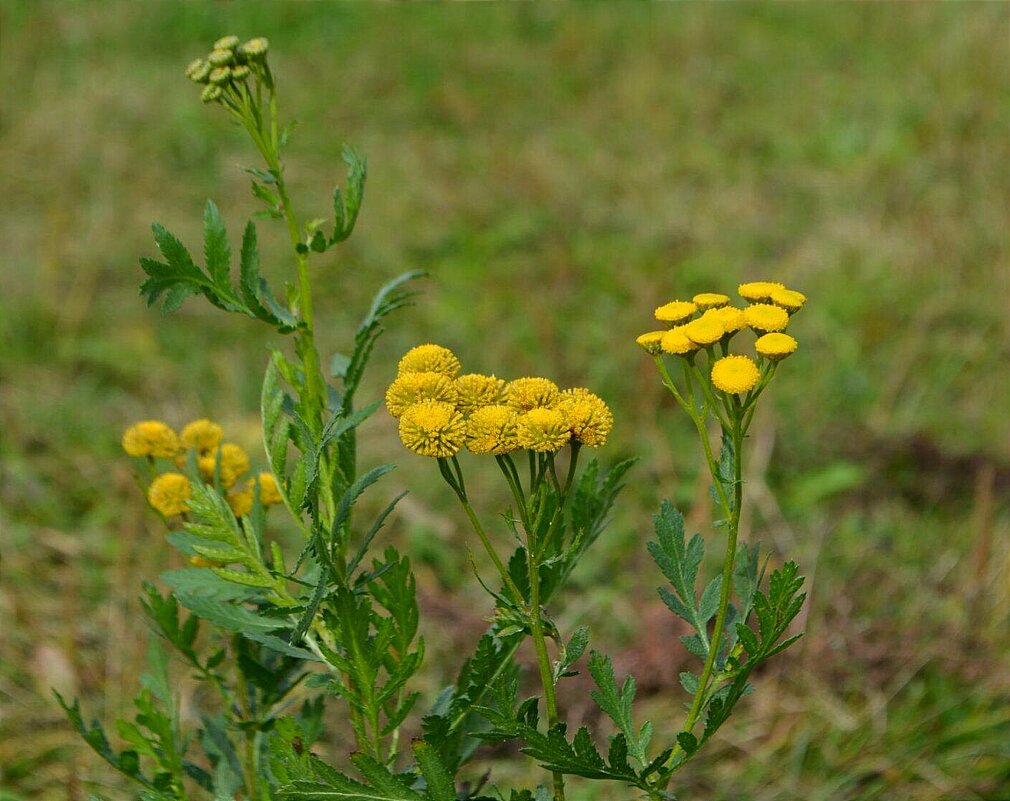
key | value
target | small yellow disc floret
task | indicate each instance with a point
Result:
(756, 291)
(789, 299)
(730, 317)
(202, 435)
(525, 394)
(429, 359)
(589, 418)
(710, 300)
(735, 374)
(150, 438)
(775, 347)
(433, 428)
(234, 462)
(651, 342)
(675, 311)
(169, 493)
(413, 388)
(241, 503)
(763, 317)
(270, 494)
(475, 390)
(675, 341)
(543, 430)
(492, 429)
(704, 331)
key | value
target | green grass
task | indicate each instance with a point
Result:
(560, 171)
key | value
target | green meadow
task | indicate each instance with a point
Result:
(559, 171)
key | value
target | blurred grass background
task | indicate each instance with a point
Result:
(560, 171)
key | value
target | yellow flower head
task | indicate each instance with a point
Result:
(429, 359)
(675, 341)
(589, 418)
(789, 299)
(201, 435)
(432, 428)
(241, 503)
(492, 429)
(234, 462)
(475, 390)
(525, 394)
(730, 317)
(756, 291)
(764, 317)
(735, 374)
(710, 300)
(675, 311)
(150, 438)
(775, 347)
(270, 494)
(704, 330)
(543, 430)
(169, 493)
(412, 388)
(651, 342)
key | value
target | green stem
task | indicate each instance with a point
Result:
(543, 659)
(726, 590)
(516, 488)
(249, 761)
(517, 596)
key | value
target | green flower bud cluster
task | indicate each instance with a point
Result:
(228, 65)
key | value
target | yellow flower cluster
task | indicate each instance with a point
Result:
(708, 320)
(226, 462)
(440, 411)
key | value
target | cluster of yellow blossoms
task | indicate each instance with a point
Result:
(220, 463)
(441, 411)
(708, 319)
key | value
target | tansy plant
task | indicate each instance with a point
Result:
(276, 636)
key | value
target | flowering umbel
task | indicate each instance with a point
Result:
(530, 413)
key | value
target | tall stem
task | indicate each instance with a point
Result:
(543, 658)
(701, 695)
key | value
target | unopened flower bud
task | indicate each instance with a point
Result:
(198, 70)
(255, 49)
(211, 93)
(221, 58)
(226, 43)
(220, 76)
(239, 73)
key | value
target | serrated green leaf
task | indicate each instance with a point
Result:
(255, 292)
(239, 577)
(709, 603)
(617, 703)
(228, 616)
(275, 643)
(440, 785)
(573, 651)
(217, 252)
